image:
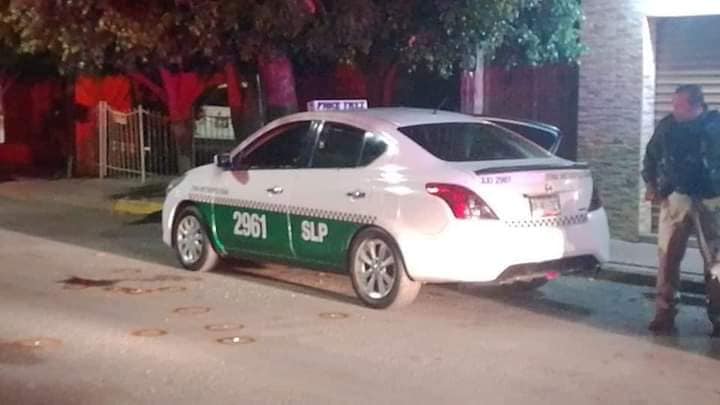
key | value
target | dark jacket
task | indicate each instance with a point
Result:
(685, 157)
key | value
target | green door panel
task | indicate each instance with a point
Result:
(267, 235)
(321, 241)
(245, 230)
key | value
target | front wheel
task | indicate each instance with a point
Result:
(378, 273)
(192, 242)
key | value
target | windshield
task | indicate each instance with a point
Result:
(472, 141)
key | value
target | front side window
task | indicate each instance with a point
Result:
(470, 141)
(285, 147)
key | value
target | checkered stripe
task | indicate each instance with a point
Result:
(558, 222)
(292, 210)
(332, 215)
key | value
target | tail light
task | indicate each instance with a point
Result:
(595, 201)
(464, 203)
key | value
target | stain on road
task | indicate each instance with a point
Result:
(26, 351)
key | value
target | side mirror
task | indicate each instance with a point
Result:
(223, 161)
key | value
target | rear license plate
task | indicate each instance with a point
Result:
(545, 206)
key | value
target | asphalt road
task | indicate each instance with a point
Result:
(94, 311)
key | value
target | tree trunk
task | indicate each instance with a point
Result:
(5, 83)
(278, 81)
(350, 82)
(243, 100)
(2, 116)
(182, 132)
(182, 90)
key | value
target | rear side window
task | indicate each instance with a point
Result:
(373, 148)
(470, 141)
(344, 146)
(338, 146)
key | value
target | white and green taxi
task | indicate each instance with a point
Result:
(395, 197)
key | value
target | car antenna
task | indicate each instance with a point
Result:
(441, 105)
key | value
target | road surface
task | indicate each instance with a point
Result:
(94, 311)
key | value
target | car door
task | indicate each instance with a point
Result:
(252, 220)
(336, 195)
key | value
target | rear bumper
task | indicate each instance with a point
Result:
(493, 251)
(529, 271)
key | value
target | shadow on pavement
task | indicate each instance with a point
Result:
(610, 307)
(293, 280)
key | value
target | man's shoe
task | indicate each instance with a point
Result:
(662, 326)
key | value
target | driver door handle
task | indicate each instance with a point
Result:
(356, 194)
(275, 190)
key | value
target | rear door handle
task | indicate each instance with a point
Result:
(356, 194)
(275, 190)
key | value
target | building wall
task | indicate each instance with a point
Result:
(615, 105)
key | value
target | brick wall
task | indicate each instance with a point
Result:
(615, 100)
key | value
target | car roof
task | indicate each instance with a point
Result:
(400, 116)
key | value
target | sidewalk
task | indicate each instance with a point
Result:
(636, 263)
(119, 196)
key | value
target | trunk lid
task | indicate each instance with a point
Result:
(532, 189)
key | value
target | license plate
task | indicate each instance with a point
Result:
(545, 206)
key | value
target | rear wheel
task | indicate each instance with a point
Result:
(378, 273)
(192, 242)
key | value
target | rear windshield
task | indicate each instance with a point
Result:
(471, 141)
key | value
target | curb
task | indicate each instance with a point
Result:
(125, 206)
(645, 277)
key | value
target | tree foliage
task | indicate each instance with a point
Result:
(442, 35)
(122, 35)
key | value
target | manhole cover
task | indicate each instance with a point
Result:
(149, 332)
(224, 327)
(172, 289)
(191, 310)
(236, 340)
(333, 315)
(37, 343)
(129, 290)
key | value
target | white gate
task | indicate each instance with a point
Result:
(135, 144)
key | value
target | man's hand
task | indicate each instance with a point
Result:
(650, 194)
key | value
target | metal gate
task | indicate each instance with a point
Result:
(213, 134)
(136, 144)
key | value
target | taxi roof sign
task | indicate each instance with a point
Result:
(337, 105)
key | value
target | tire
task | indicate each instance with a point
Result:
(377, 285)
(201, 255)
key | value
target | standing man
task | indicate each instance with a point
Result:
(681, 170)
